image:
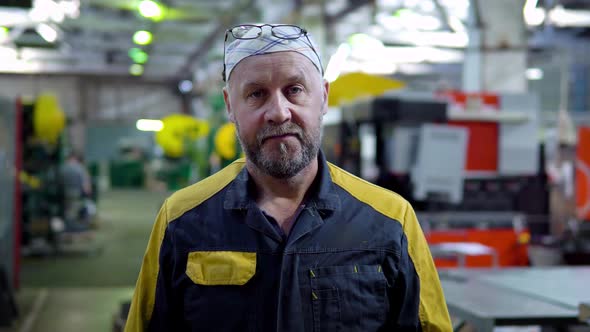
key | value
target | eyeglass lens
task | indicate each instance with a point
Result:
(254, 31)
(246, 32)
(287, 31)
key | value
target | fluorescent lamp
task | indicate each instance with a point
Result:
(7, 54)
(58, 16)
(569, 18)
(532, 15)
(457, 25)
(149, 125)
(410, 19)
(185, 86)
(336, 61)
(138, 55)
(136, 69)
(142, 37)
(378, 68)
(150, 9)
(70, 8)
(442, 39)
(46, 32)
(426, 38)
(534, 74)
(3, 34)
(363, 46)
(41, 10)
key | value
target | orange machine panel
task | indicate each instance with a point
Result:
(511, 247)
(482, 145)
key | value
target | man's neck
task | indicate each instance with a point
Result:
(280, 198)
(294, 188)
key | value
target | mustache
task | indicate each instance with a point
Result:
(284, 129)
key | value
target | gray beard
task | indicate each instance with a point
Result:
(287, 163)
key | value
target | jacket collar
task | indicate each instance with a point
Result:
(321, 195)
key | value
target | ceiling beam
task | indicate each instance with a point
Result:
(442, 11)
(205, 46)
(352, 6)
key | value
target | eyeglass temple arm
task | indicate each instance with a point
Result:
(224, 41)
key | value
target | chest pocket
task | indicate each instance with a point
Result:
(221, 291)
(212, 268)
(348, 298)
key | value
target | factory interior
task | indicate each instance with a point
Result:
(476, 112)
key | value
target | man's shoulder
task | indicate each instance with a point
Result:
(190, 197)
(383, 200)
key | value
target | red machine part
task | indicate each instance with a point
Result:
(583, 174)
(481, 133)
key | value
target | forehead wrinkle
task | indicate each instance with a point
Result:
(267, 68)
(299, 77)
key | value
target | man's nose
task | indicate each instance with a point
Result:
(278, 109)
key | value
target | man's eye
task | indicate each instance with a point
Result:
(294, 90)
(256, 94)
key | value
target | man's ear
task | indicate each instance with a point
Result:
(326, 88)
(228, 109)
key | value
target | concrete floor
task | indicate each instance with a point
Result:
(82, 291)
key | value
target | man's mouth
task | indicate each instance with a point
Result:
(269, 137)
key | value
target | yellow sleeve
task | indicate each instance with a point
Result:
(144, 296)
(433, 312)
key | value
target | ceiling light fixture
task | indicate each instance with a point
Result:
(378, 68)
(136, 69)
(47, 32)
(70, 8)
(142, 37)
(3, 34)
(534, 74)
(47, 10)
(363, 46)
(410, 19)
(433, 38)
(138, 55)
(149, 125)
(457, 25)
(562, 17)
(336, 62)
(532, 15)
(185, 86)
(150, 9)
(7, 54)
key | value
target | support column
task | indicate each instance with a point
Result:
(496, 58)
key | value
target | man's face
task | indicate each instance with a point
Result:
(277, 102)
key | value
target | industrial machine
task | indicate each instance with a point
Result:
(471, 165)
(9, 212)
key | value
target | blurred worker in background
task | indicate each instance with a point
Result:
(77, 187)
(561, 173)
(283, 240)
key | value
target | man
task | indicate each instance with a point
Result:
(283, 240)
(77, 186)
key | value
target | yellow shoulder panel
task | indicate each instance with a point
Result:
(433, 312)
(144, 296)
(385, 201)
(193, 195)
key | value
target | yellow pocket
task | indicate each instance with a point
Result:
(221, 267)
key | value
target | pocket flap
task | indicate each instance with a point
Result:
(220, 267)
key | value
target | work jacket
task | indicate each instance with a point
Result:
(355, 260)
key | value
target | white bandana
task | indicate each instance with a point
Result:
(266, 43)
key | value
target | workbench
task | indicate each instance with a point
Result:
(544, 296)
